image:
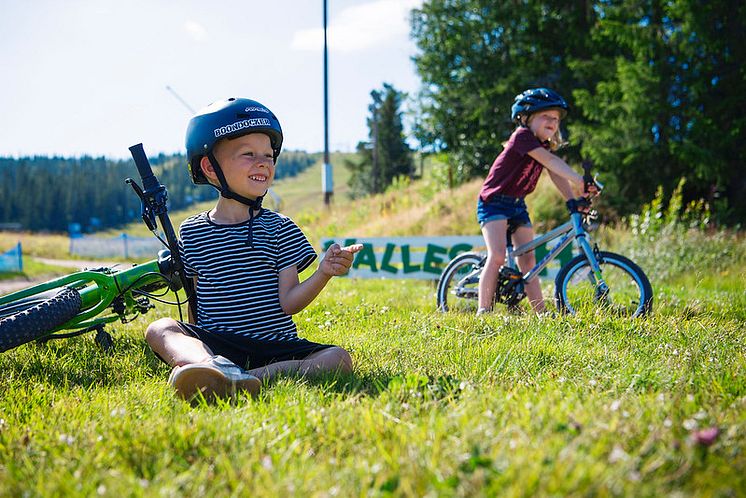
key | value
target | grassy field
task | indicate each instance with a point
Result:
(438, 405)
(441, 405)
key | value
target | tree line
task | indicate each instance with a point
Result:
(50, 193)
(656, 89)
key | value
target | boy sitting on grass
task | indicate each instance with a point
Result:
(244, 261)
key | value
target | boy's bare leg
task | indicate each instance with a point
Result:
(196, 369)
(333, 359)
(171, 343)
(524, 235)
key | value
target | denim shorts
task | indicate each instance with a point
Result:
(503, 207)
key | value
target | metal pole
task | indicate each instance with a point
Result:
(178, 97)
(375, 172)
(326, 175)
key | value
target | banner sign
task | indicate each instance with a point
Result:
(422, 257)
(12, 261)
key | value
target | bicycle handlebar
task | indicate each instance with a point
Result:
(154, 196)
(588, 178)
(149, 181)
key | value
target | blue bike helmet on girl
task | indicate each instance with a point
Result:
(537, 99)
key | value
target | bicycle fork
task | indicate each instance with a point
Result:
(594, 276)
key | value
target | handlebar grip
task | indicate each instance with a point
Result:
(587, 165)
(149, 181)
(588, 179)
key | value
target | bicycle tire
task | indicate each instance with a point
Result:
(40, 319)
(458, 286)
(25, 303)
(630, 293)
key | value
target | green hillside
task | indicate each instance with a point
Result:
(419, 207)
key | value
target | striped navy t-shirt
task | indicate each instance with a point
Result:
(238, 284)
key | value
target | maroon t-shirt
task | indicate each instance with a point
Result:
(514, 172)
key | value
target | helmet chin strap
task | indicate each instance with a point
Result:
(225, 191)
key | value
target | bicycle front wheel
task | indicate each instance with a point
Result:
(28, 319)
(458, 287)
(627, 290)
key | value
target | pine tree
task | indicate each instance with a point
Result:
(386, 156)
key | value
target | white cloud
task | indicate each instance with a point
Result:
(360, 27)
(195, 30)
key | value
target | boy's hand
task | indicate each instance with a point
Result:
(338, 260)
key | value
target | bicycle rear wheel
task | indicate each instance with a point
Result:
(629, 292)
(28, 319)
(458, 287)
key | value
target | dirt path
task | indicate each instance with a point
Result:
(79, 264)
(14, 284)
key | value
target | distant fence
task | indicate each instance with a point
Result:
(423, 257)
(123, 246)
(12, 260)
(11, 227)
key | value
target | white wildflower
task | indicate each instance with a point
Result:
(618, 455)
(690, 424)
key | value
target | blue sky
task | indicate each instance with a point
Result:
(91, 76)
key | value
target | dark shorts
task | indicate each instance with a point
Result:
(502, 207)
(251, 353)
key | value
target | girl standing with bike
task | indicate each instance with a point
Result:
(514, 174)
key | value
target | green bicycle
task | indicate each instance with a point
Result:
(87, 300)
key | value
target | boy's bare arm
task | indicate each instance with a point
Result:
(296, 295)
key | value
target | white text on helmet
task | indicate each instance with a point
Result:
(240, 125)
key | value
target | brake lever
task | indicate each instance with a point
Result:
(588, 178)
(598, 184)
(148, 216)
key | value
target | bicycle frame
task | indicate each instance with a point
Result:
(569, 231)
(98, 289)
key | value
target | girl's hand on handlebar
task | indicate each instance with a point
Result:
(579, 205)
(591, 187)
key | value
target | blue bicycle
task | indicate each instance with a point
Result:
(593, 280)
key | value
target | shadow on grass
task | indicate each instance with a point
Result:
(401, 386)
(78, 362)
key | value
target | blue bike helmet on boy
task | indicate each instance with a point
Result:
(537, 99)
(229, 118)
